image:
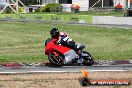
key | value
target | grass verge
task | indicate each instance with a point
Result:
(48, 17)
(24, 41)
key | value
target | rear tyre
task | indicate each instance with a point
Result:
(88, 59)
(56, 60)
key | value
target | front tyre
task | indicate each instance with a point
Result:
(56, 60)
(88, 59)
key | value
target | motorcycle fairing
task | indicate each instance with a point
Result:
(51, 47)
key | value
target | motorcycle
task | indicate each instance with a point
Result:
(56, 57)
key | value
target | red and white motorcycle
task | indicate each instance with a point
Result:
(56, 54)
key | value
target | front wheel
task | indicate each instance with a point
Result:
(56, 60)
(88, 59)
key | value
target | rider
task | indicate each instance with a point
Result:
(62, 38)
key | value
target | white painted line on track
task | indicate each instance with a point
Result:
(106, 70)
(102, 65)
(62, 71)
(32, 72)
(112, 65)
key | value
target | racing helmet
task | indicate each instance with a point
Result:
(54, 32)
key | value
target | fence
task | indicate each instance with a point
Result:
(112, 20)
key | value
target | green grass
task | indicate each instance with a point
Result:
(24, 42)
(103, 13)
(62, 16)
(92, 13)
(48, 17)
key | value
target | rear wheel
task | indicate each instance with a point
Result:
(57, 60)
(88, 59)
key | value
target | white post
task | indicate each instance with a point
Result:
(56, 1)
(128, 3)
(17, 6)
(88, 4)
(102, 3)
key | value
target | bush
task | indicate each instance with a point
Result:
(52, 7)
(8, 10)
(37, 10)
(21, 9)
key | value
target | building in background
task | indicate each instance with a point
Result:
(124, 3)
(84, 4)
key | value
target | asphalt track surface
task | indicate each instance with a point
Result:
(44, 69)
(101, 65)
